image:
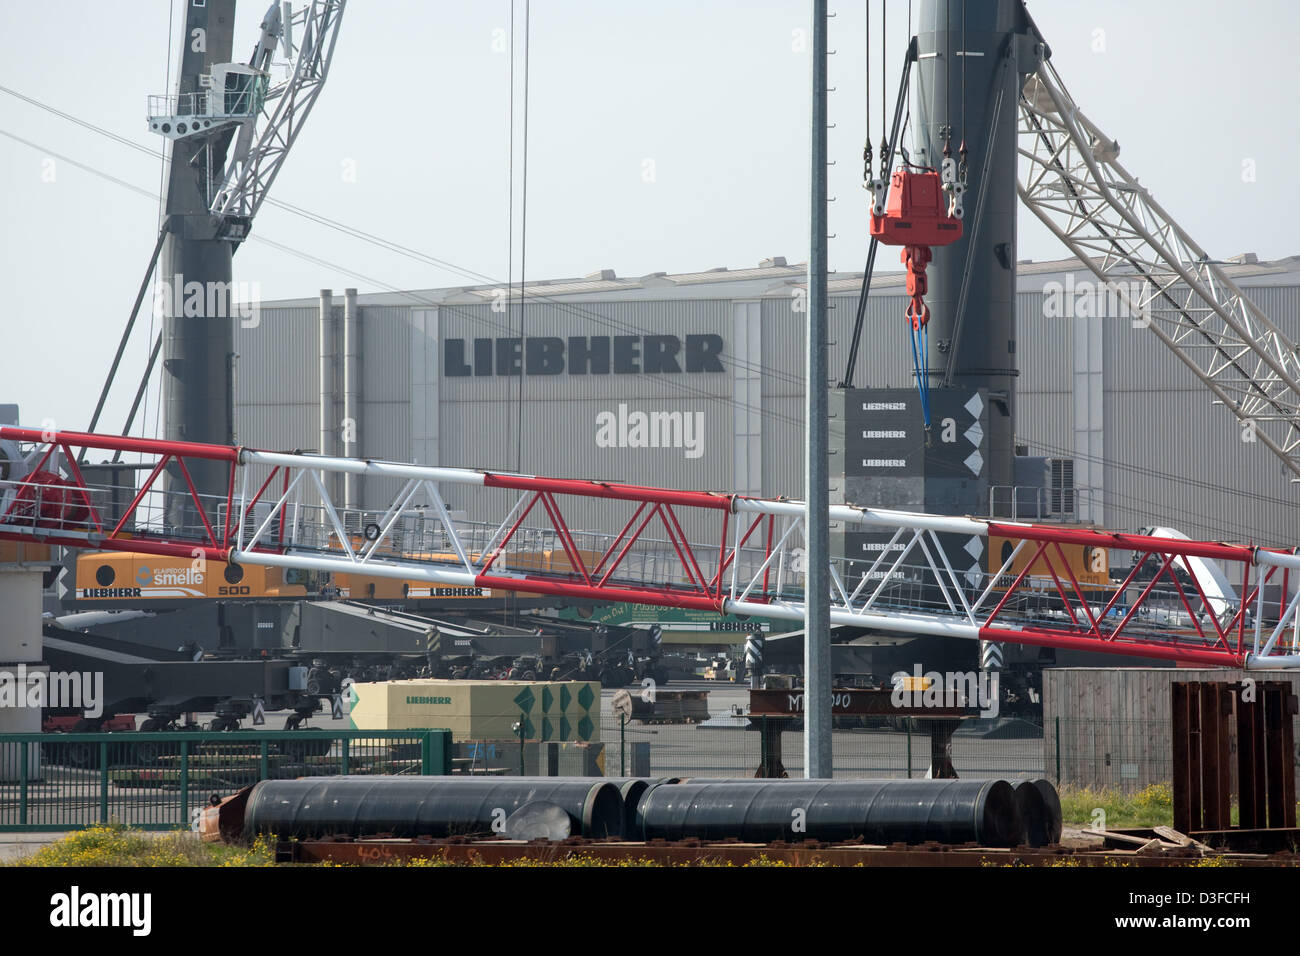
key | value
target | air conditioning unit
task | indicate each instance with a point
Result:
(1061, 497)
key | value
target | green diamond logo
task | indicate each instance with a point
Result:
(525, 699)
(586, 728)
(547, 731)
(529, 733)
(564, 728)
(565, 696)
(547, 699)
(585, 697)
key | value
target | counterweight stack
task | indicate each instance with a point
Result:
(972, 58)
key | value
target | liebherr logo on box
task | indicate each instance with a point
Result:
(655, 429)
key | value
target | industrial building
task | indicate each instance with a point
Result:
(696, 381)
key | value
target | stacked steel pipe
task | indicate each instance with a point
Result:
(985, 812)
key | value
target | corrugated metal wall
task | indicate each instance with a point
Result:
(1172, 457)
(277, 380)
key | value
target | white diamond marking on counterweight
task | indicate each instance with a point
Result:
(975, 434)
(975, 547)
(975, 462)
(975, 405)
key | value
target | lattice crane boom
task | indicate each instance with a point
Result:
(254, 165)
(748, 556)
(1072, 180)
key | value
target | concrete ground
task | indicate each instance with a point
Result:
(14, 846)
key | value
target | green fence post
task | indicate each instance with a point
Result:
(522, 717)
(103, 781)
(622, 745)
(264, 765)
(22, 782)
(345, 753)
(1058, 750)
(185, 782)
(426, 753)
(909, 748)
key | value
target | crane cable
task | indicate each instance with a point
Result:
(162, 217)
(918, 328)
(866, 43)
(510, 226)
(884, 80)
(962, 171)
(523, 254)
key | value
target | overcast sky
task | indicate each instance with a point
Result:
(670, 136)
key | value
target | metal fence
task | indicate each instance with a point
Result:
(161, 780)
(1121, 755)
(1125, 755)
(732, 747)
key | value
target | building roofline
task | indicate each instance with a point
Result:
(771, 277)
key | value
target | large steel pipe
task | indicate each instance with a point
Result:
(1034, 814)
(877, 811)
(425, 806)
(631, 789)
(1052, 803)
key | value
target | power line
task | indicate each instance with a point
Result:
(1190, 516)
(391, 246)
(765, 414)
(667, 383)
(1161, 507)
(1200, 484)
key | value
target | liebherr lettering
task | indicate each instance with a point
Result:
(583, 355)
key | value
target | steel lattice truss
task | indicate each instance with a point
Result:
(278, 512)
(1071, 178)
(252, 170)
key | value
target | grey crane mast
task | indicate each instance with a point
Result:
(198, 340)
(229, 128)
(958, 95)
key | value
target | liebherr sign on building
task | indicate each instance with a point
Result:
(617, 424)
(583, 355)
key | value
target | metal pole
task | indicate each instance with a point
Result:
(817, 630)
(351, 397)
(622, 745)
(325, 360)
(1058, 751)
(185, 782)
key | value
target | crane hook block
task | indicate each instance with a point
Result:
(915, 218)
(915, 213)
(916, 258)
